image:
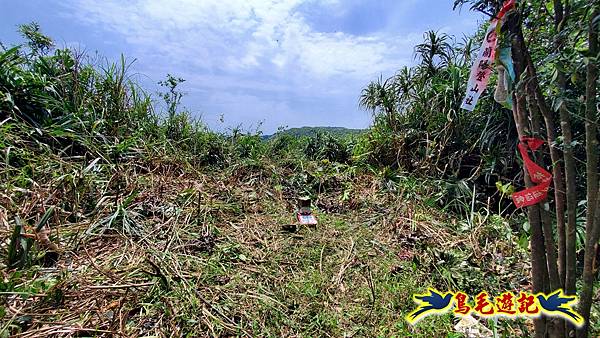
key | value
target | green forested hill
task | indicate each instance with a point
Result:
(310, 131)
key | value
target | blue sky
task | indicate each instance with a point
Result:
(255, 62)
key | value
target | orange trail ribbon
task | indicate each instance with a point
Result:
(540, 176)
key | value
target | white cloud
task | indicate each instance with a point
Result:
(252, 60)
(240, 35)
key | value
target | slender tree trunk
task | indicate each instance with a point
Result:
(566, 234)
(591, 126)
(589, 274)
(559, 186)
(539, 270)
(554, 325)
(554, 263)
(534, 105)
(561, 16)
(571, 194)
(592, 214)
(570, 175)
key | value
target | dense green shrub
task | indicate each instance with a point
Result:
(324, 146)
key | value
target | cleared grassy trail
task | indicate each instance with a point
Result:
(213, 259)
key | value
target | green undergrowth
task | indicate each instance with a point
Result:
(158, 226)
(151, 251)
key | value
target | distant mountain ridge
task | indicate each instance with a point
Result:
(310, 131)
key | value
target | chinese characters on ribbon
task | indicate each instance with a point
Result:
(484, 64)
(540, 176)
(482, 69)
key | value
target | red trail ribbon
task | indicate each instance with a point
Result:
(540, 176)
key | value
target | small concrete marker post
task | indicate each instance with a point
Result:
(304, 214)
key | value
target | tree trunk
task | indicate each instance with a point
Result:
(556, 264)
(554, 325)
(592, 223)
(539, 270)
(589, 274)
(534, 106)
(561, 16)
(566, 234)
(570, 175)
(558, 181)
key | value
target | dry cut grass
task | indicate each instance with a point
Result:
(167, 251)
